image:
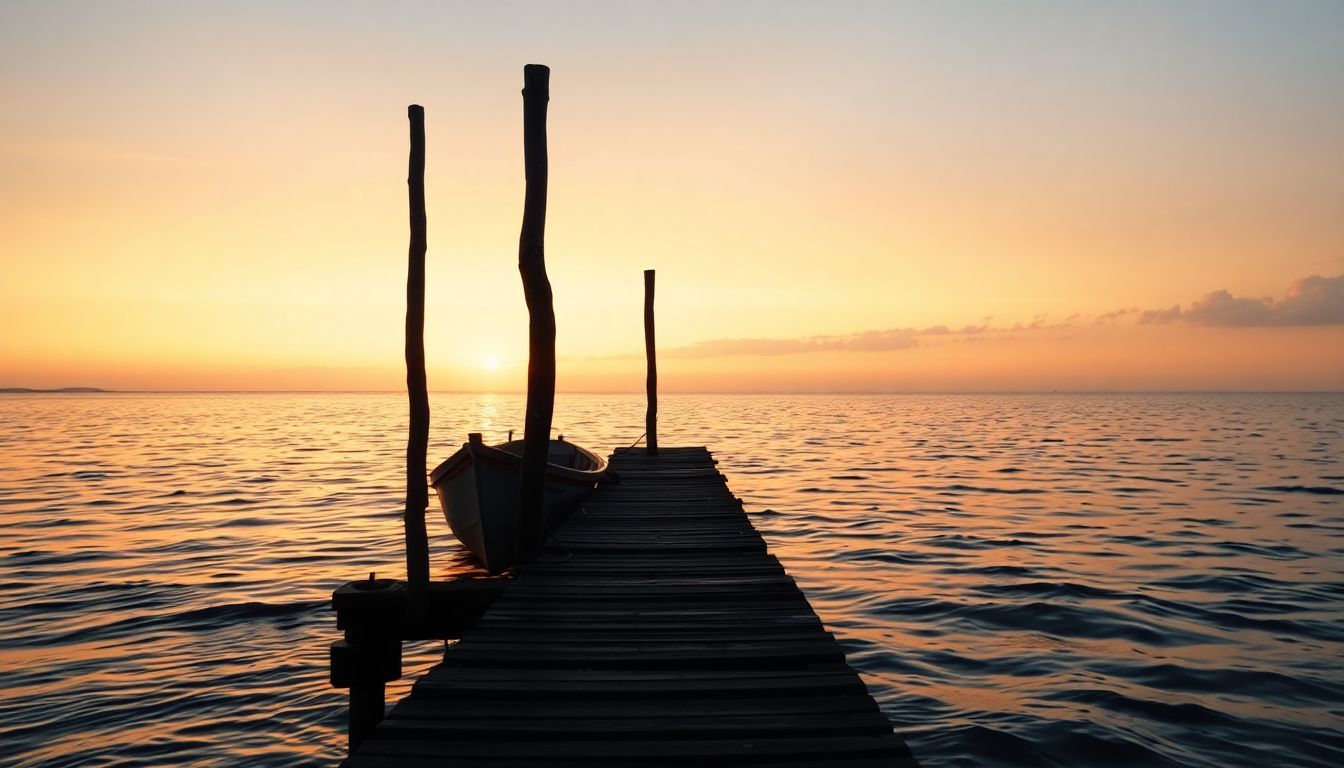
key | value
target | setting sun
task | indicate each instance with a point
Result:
(490, 362)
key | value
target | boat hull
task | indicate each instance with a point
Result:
(478, 489)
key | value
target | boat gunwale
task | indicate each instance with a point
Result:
(464, 457)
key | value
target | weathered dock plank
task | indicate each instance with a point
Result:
(655, 629)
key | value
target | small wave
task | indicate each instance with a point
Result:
(1319, 490)
(1221, 617)
(996, 570)
(982, 745)
(1204, 521)
(1273, 686)
(961, 488)
(35, 557)
(249, 522)
(90, 475)
(57, 522)
(249, 611)
(236, 501)
(1271, 551)
(1229, 583)
(1159, 711)
(1050, 589)
(963, 541)
(1045, 742)
(888, 556)
(130, 621)
(1041, 617)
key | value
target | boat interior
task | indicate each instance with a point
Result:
(561, 454)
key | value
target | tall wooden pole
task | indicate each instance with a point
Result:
(651, 383)
(541, 317)
(417, 493)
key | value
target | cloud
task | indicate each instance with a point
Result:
(1161, 316)
(867, 341)
(1107, 317)
(1313, 300)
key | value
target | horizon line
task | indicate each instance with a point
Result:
(102, 391)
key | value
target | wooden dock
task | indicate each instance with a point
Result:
(656, 630)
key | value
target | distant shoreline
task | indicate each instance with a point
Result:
(27, 390)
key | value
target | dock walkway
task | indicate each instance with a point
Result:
(658, 630)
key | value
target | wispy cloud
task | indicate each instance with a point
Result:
(943, 330)
(1107, 317)
(1313, 300)
(889, 340)
(867, 341)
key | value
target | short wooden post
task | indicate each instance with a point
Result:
(541, 317)
(417, 492)
(365, 662)
(651, 382)
(368, 704)
(373, 615)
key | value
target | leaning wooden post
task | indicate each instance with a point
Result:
(417, 493)
(651, 383)
(541, 317)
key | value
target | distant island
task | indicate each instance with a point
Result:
(26, 390)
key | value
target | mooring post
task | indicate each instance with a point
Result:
(417, 492)
(374, 617)
(365, 664)
(368, 701)
(651, 383)
(541, 317)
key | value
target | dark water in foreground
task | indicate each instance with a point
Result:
(1022, 580)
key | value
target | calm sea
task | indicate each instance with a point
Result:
(1022, 580)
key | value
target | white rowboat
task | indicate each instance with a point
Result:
(478, 489)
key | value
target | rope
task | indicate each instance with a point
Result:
(551, 535)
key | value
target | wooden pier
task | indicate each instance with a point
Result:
(654, 629)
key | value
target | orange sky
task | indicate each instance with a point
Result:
(214, 197)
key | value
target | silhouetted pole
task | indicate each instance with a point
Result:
(541, 317)
(651, 384)
(417, 493)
